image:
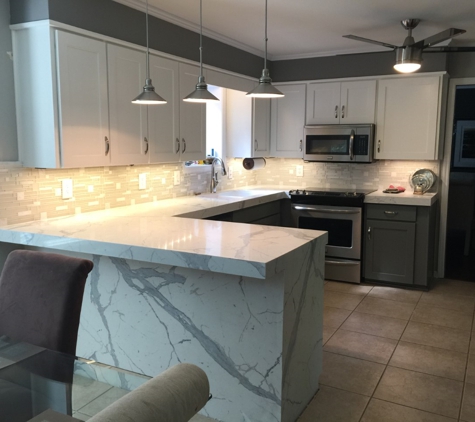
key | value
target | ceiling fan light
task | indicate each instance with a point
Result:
(408, 59)
(201, 93)
(265, 89)
(148, 95)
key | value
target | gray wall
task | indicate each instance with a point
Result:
(8, 137)
(462, 65)
(345, 66)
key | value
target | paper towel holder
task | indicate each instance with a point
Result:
(255, 163)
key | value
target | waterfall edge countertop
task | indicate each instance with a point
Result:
(153, 232)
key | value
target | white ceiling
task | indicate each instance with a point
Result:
(311, 28)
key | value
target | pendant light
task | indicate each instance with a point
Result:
(201, 93)
(408, 59)
(148, 95)
(265, 88)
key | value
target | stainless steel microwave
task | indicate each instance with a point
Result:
(339, 143)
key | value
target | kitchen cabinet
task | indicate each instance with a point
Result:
(399, 244)
(128, 122)
(409, 122)
(288, 121)
(341, 102)
(261, 121)
(192, 141)
(268, 214)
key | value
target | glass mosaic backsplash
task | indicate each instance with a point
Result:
(28, 194)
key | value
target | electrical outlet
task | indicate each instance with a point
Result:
(299, 171)
(67, 188)
(176, 177)
(230, 172)
(142, 181)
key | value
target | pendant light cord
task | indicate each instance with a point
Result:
(146, 29)
(201, 37)
(265, 56)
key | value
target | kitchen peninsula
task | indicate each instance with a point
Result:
(244, 302)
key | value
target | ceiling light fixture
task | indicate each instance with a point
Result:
(201, 93)
(265, 89)
(148, 95)
(408, 59)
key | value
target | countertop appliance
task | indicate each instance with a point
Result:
(340, 213)
(339, 143)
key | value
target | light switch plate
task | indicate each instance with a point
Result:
(299, 171)
(142, 181)
(176, 177)
(67, 188)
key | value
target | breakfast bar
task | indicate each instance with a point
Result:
(242, 301)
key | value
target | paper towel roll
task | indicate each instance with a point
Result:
(254, 163)
(173, 396)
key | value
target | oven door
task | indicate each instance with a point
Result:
(343, 225)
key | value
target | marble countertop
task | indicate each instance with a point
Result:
(153, 232)
(404, 198)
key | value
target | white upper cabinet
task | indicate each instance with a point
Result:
(128, 122)
(238, 124)
(408, 122)
(261, 127)
(288, 121)
(163, 119)
(349, 102)
(192, 117)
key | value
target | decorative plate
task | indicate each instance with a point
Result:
(423, 177)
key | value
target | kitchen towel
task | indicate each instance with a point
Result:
(254, 163)
(173, 396)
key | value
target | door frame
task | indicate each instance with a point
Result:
(445, 171)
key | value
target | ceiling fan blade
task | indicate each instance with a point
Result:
(354, 37)
(449, 50)
(437, 38)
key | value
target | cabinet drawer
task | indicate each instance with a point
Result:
(391, 212)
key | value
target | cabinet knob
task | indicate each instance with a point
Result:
(391, 212)
(342, 112)
(177, 146)
(184, 145)
(336, 112)
(146, 145)
(256, 145)
(108, 146)
(379, 145)
(369, 233)
(301, 145)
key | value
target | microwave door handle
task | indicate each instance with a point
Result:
(352, 141)
(326, 210)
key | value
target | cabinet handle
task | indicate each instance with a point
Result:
(391, 212)
(256, 145)
(146, 145)
(336, 112)
(379, 145)
(369, 233)
(301, 145)
(177, 146)
(342, 112)
(352, 141)
(108, 146)
(184, 145)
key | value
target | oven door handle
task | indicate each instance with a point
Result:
(326, 210)
(342, 262)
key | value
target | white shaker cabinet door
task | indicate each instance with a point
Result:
(261, 127)
(128, 122)
(192, 117)
(82, 92)
(163, 119)
(407, 118)
(288, 121)
(357, 102)
(323, 103)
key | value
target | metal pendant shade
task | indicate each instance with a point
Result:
(201, 93)
(148, 96)
(265, 89)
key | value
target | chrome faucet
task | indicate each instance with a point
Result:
(214, 173)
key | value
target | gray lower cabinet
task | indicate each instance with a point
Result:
(399, 244)
(268, 214)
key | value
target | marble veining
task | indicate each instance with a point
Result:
(405, 198)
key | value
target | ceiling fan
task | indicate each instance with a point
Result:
(409, 54)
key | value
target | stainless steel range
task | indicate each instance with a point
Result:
(340, 213)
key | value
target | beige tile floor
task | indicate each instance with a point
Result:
(396, 355)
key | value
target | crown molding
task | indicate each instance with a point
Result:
(154, 11)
